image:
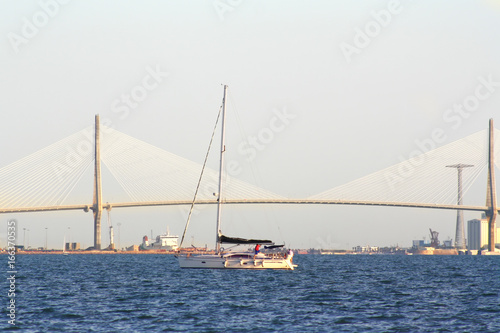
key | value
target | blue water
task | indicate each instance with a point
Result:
(141, 293)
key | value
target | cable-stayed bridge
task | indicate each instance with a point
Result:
(151, 176)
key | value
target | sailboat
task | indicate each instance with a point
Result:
(222, 259)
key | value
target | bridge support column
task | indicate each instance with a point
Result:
(97, 204)
(491, 193)
(460, 231)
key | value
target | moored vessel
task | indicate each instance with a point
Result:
(229, 259)
(165, 241)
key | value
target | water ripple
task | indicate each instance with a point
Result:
(103, 293)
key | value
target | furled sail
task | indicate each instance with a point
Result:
(270, 247)
(236, 240)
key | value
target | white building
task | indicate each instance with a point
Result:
(477, 234)
(365, 249)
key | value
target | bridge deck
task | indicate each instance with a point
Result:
(240, 201)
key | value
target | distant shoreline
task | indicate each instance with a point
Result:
(36, 252)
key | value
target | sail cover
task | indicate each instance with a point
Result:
(236, 240)
(274, 246)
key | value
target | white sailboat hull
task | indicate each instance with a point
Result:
(235, 261)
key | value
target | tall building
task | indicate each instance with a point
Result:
(477, 234)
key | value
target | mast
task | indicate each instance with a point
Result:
(221, 171)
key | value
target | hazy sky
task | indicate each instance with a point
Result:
(355, 85)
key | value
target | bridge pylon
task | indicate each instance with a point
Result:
(97, 203)
(491, 193)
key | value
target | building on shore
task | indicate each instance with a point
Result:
(477, 234)
(365, 249)
(72, 246)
